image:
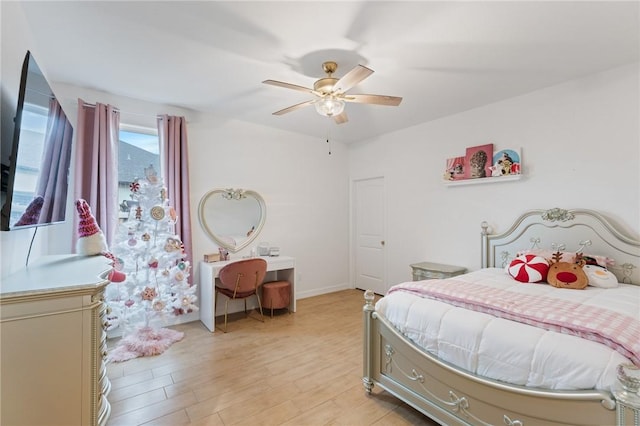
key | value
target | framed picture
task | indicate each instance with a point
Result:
(478, 161)
(506, 162)
(454, 169)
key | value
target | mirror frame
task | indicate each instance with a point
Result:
(214, 237)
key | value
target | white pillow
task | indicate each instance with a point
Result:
(600, 277)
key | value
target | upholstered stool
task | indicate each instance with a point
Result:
(276, 295)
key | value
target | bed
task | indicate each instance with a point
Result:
(415, 348)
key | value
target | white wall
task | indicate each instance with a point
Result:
(305, 190)
(580, 149)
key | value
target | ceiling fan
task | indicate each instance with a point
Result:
(330, 93)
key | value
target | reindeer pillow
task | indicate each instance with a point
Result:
(567, 274)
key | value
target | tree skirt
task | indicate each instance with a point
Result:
(146, 341)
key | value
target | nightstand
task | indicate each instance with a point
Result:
(430, 271)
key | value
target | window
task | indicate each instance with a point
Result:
(32, 136)
(139, 149)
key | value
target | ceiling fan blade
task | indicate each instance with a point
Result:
(289, 86)
(341, 118)
(353, 77)
(374, 99)
(294, 107)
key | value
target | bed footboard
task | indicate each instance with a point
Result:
(452, 396)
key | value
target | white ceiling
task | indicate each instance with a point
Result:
(441, 57)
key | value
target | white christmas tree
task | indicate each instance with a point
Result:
(153, 283)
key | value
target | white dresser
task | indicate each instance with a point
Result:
(278, 268)
(53, 344)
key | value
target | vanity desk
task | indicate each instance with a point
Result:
(53, 343)
(278, 268)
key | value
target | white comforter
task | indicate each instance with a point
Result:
(509, 351)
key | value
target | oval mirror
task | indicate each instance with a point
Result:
(232, 218)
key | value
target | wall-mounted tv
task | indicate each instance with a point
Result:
(36, 180)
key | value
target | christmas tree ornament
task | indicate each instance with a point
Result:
(149, 293)
(157, 213)
(91, 240)
(116, 276)
(138, 213)
(118, 264)
(172, 245)
(158, 305)
(151, 174)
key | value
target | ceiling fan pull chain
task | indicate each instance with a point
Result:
(328, 143)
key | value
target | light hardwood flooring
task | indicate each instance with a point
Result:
(303, 368)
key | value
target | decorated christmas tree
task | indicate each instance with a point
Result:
(153, 280)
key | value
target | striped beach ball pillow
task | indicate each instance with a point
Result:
(529, 268)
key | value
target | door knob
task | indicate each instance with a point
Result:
(382, 242)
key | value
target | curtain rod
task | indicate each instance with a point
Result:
(128, 113)
(118, 110)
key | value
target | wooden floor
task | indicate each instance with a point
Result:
(303, 368)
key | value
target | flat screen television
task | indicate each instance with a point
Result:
(36, 180)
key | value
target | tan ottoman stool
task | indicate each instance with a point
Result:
(276, 295)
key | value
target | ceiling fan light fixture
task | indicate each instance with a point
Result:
(330, 93)
(329, 106)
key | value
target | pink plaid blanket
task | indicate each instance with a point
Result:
(617, 331)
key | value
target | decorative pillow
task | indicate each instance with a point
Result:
(600, 277)
(567, 256)
(567, 274)
(529, 268)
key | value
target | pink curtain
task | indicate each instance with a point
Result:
(53, 181)
(172, 132)
(96, 177)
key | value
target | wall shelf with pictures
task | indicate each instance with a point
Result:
(491, 179)
(483, 164)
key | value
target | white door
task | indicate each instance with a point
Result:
(369, 235)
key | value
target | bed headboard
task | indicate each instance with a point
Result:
(571, 230)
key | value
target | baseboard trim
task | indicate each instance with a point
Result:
(323, 290)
